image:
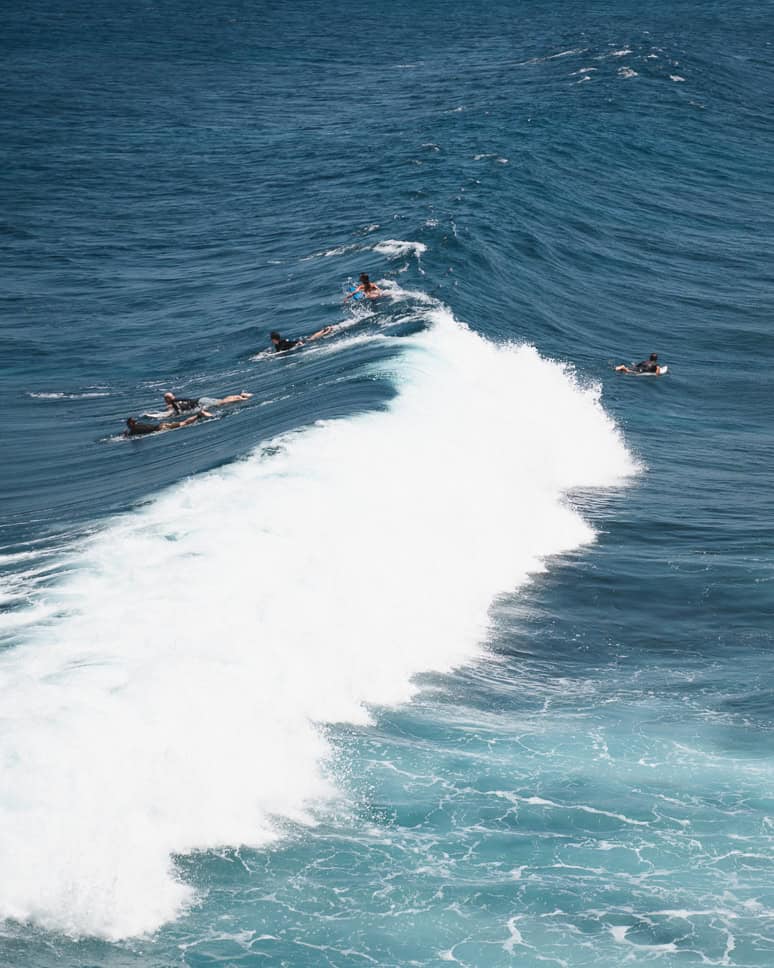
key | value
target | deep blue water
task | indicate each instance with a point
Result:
(209, 636)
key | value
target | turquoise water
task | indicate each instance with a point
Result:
(450, 645)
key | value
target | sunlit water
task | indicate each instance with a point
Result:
(450, 645)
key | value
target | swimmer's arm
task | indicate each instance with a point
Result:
(360, 288)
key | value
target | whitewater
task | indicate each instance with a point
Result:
(170, 693)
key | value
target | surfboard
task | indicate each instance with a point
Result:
(661, 371)
(357, 295)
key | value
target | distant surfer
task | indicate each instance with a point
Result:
(651, 365)
(280, 344)
(136, 428)
(182, 404)
(369, 289)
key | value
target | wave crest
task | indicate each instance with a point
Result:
(172, 703)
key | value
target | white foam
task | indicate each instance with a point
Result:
(620, 935)
(626, 72)
(516, 938)
(677, 78)
(394, 248)
(167, 698)
(86, 395)
(549, 57)
(336, 250)
(567, 53)
(392, 289)
(499, 160)
(582, 807)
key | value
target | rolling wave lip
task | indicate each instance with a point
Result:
(223, 621)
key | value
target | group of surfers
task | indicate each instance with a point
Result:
(199, 407)
(368, 289)
(180, 405)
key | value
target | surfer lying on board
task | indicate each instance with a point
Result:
(646, 366)
(136, 429)
(179, 404)
(369, 289)
(280, 344)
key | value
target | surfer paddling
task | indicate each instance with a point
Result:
(369, 289)
(180, 405)
(135, 428)
(651, 365)
(280, 344)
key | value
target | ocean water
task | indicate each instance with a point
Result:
(450, 645)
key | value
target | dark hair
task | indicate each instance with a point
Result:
(130, 421)
(274, 335)
(364, 277)
(654, 356)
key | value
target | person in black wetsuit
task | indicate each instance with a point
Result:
(181, 404)
(646, 366)
(280, 344)
(134, 428)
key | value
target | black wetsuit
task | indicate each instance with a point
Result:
(180, 406)
(137, 429)
(647, 366)
(286, 344)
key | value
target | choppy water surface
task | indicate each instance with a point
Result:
(450, 644)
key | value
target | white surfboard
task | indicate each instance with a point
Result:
(661, 371)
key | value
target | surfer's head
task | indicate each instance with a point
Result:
(275, 336)
(653, 357)
(364, 279)
(169, 397)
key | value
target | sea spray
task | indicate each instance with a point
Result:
(165, 696)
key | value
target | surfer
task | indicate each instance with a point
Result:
(369, 289)
(180, 405)
(280, 344)
(136, 429)
(650, 365)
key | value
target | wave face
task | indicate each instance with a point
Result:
(171, 693)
